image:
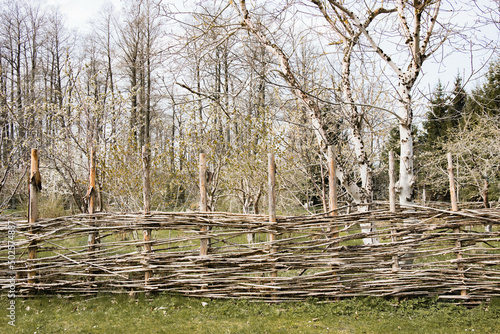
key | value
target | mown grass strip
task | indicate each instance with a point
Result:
(164, 313)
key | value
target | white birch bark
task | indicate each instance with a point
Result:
(406, 174)
(312, 106)
(419, 51)
(356, 119)
(349, 35)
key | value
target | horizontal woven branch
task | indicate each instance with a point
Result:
(419, 252)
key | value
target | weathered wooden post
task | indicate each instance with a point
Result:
(272, 205)
(451, 177)
(332, 195)
(91, 196)
(454, 207)
(488, 227)
(332, 188)
(35, 185)
(392, 206)
(204, 241)
(392, 183)
(146, 190)
(91, 191)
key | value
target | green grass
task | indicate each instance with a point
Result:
(174, 314)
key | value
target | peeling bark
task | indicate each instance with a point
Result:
(418, 47)
(406, 173)
(312, 107)
(349, 35)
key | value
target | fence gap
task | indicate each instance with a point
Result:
(454, 207)
(204, 241)
(146, 190)
(35, 185)
(392, 207)
(272, 205)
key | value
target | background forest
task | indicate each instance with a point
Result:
(238, 80)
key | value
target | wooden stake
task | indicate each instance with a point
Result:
(272, 203)
(35, 185)
(146, 190)
(458, 178)
(392, 183)
(392, 206)
(92, 201)
(332, 186)
(146, 183)
(92, 176)
(204, 242)
(454, 207)
(332, 182)
(488, 227)
(453, 192)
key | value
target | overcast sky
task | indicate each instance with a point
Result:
(80, 12)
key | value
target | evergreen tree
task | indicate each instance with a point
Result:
(437, 122)
(457, 106)
(444, 115)
(485, 100)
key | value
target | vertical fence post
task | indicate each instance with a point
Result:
(204, 242)
(454, 207)
(458, 178)
(451, 177)
(332, 195)
(146, 190)
(272, 204)
(332, 182)
(91, 195)
(35, 185)
(392, 183)
(392, 206)
(332, 185)
(489, 227)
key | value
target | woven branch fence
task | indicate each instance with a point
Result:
(428, 252)
(406, 251)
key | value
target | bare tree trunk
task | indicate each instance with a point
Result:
(356, 119)
(418, 47)
(406, 174)
(313, 110)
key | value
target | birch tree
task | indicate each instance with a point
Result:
(416, 26)
(312, 107)
(349, 36)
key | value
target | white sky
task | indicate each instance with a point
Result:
(78, 13)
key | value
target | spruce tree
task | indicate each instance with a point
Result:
(436, 125)
(485, 100)
(457, 105)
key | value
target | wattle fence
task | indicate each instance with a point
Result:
(425, 252)
(389, 251)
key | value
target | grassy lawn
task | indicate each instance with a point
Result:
(174, 314)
